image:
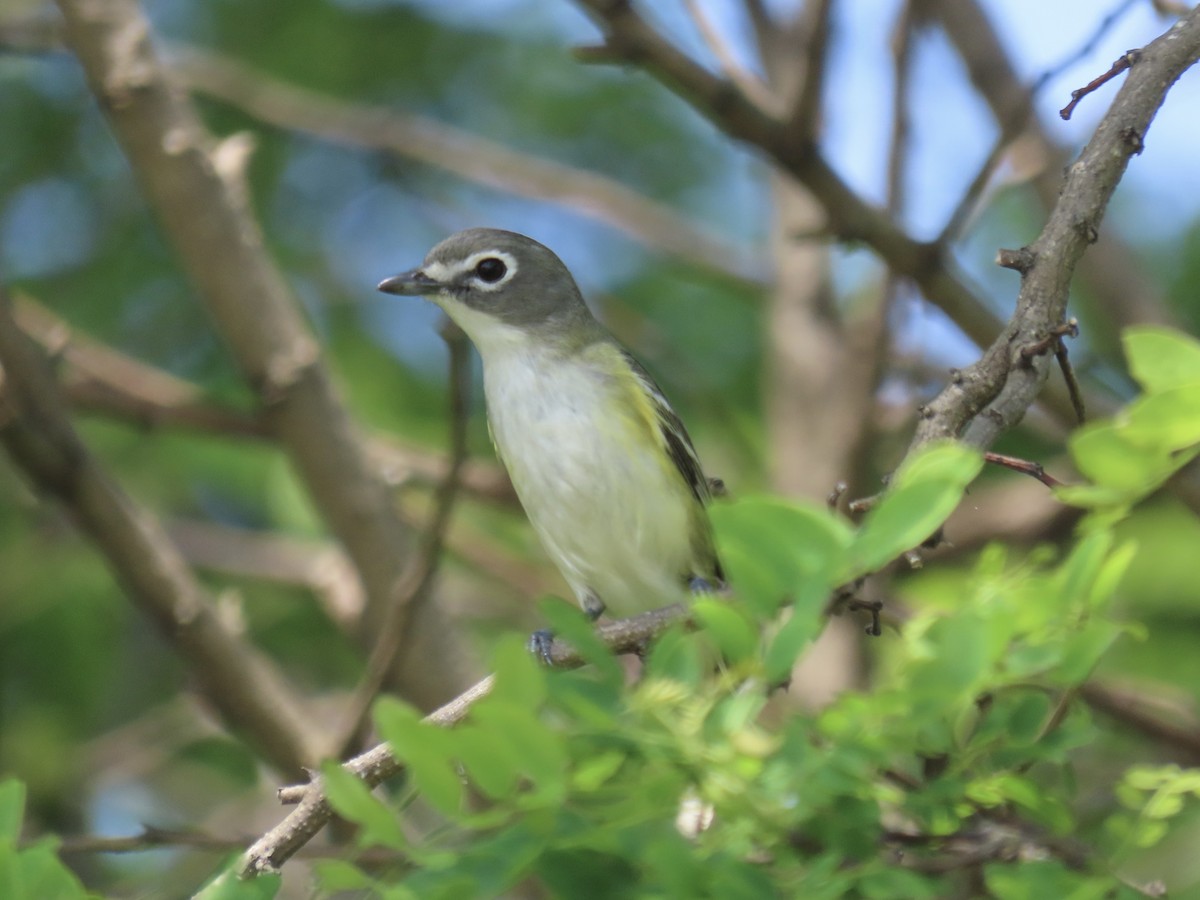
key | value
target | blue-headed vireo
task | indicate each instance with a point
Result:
(602, 465)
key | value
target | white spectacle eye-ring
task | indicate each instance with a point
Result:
(490, 269)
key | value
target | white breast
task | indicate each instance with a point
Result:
(608, 512)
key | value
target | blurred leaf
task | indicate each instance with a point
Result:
(923, 493)
(1169, 420)
(491, 763)
(734, 636)
(772, 547)
(569, 623)
(12, 810)
(1161, 358)
(227, 886)
(338, 875)
(353, 800)
(519, 676)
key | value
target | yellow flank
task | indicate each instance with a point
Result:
(629, 395)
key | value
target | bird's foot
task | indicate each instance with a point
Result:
(540, 643)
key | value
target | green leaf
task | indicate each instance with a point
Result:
(44, 875)
(353, 800)
(789, 641)
(426, 749)
(339, 875)
(771, 546)
(540, 750)
(1083, 650)
(1161, 358)
(922, 495)
(489, 759)
(1027, 717)
(734, 636)
(1167, 421)
(227, 886)
(519, 676)
(595, 770)
(12, 810)
(675, 656)
(1105, 455)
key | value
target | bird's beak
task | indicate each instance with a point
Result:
(414, 283)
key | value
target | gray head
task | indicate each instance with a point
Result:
(482, 276)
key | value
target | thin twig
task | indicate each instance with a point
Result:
(1024, 466)
(902, 35)
(1126, 61)
(1174, 727)
(1089, 46)
(804, 119)
(1012, 127)
(747, 82)
(1068, 373)
(414, 586)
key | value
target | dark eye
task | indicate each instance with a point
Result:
(491, 270)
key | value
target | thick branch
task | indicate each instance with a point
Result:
(236, 680)
(1122, 295)
(204, 214)
(1004, 382)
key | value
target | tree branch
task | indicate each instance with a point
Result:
(1122, 296)
(247, 692)
(628, 38)
(993, 394)
(204, 215)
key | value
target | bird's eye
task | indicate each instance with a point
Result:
(491, 270)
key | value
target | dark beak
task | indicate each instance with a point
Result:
(414, 283)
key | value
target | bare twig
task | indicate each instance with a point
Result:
(747, 82)
(1024, 466)
(1087, 48)
(1124, 63)
(902, 35)
(804, 119)
(1156, 718)
(414, 587)
(204, 214)
(240, 683)
(1068, 372)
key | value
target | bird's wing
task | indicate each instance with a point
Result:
(675, 437)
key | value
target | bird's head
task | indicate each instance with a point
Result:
(486, 279)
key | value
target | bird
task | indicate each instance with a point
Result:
(601, 463)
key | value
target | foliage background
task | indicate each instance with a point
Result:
(98, 714)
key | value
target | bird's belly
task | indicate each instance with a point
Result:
(606, 503)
